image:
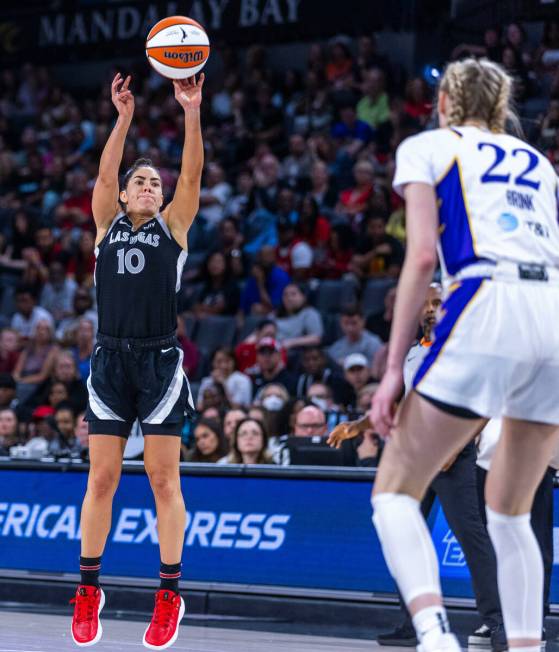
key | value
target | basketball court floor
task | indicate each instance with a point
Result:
(22, 632)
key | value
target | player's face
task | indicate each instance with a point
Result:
(144, 192)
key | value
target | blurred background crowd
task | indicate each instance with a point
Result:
(287, 296)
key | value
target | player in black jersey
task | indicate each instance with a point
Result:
(136, 367)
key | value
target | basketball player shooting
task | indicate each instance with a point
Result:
(136, 367)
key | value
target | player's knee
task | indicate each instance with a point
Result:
(102, 483)
(165, 485)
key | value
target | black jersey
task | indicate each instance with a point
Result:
(137, 276)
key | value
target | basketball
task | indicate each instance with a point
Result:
(177, 47)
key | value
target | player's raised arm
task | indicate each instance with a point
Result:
(105, 193)
(181, 211)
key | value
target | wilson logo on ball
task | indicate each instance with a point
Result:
(187, 57)
(177, 47)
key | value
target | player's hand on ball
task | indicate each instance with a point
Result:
(122, 97)
(188, 92)
(348, 430)
(383, 405)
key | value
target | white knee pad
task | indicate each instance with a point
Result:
(407, 545)
(519, 574)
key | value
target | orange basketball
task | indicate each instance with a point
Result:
(177, 47)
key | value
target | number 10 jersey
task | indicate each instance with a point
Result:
(497, 196)
(137, 277)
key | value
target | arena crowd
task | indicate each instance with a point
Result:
(287, 296)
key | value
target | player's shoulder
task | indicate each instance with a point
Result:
(430, 138)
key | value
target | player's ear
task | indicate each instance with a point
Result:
(123, 197)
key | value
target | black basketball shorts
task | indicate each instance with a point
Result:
(137, 379)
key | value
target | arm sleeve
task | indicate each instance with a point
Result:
(413, 163)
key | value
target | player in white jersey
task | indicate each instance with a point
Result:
(488, 202)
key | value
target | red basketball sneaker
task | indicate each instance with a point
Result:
(163, 630)
(86, 626)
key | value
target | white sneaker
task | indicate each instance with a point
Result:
(434, 641)
(480, 638)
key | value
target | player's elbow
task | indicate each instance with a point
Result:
(423, 261)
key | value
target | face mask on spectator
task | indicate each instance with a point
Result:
(320, 402)
(273, 403)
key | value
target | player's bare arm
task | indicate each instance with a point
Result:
(105, 192)
(181, 211)
(348, 430)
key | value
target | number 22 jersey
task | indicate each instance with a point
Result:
(137, 276)
(497, 196)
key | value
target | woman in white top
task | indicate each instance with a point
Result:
(488, 202)
(237, 385)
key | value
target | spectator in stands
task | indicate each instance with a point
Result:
(58, 394)
(245, 352)
(49, 249)
(220, 294)
(82, 266)
(298, 323)
(42, 439)
(296, 166)
(214, 195)
(8, 387)
(57, 295)
(310, 422)
(230, 421)
(270, 367)
(263, 290)
(356, 371)
(312, 228)
(9, 430)
(355, 339)
(378, 254)
(339, 253)
(418, 104)
(354, 201)
(491, 47)
(75, 210)
(213, 396)
(191, 355)
(238, 386)
(340, 61)
(36, 360)
(321, 395)
(549, 127)
(266, 120)
(380, 323)
(351, 134)
(65, 420)
(323, 190)
(547, 55)
(82, 436)
(230, 243)
(85, 340)
(365, 396)
(249, 444)
(374, 107)
(316, 370)
(28, 314)
(65, 371)
(266, 184)
(210, 445)
(83, 307)
(9, 351)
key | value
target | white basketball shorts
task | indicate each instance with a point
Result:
(496, 350)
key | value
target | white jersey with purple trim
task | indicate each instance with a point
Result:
(497, 196)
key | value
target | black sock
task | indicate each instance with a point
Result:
(169, 575)
(89, 569)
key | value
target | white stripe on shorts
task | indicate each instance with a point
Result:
(99, 409)
(166, 404)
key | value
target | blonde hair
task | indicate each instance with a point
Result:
(479, 90)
